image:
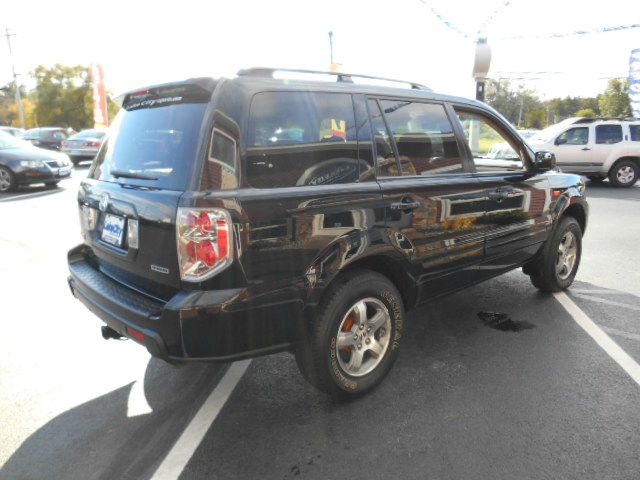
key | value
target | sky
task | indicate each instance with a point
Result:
(146, 42)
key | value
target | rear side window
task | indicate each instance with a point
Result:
(608, 134)
(635, 132)
(423, 136)
(301, 138)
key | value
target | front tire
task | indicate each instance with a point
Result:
(624, 173)
(556, 267)
(7, 180)
(51, 184)
(355, 337)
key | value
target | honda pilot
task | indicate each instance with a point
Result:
(232, 218)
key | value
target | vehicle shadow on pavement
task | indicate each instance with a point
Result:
(98, 440)
(30, 191)
(606, 190)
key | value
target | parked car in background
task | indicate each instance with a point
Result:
(15, 131)
(503, 150)
(21, 163)
(232, 218)
(83, 145)
(595, 147)
(47, 137)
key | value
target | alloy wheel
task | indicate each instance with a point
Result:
(363, 337)
(567, 255)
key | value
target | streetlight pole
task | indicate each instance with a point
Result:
(15, 78)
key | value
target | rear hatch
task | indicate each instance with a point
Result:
(129, 200)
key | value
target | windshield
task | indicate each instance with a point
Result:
(548, 134)
(158, 143)
(9, 141)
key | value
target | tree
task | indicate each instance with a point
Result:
(614, 102)
(585, 112)
(63, 96)
(515, 105)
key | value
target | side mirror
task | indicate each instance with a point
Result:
(544, 161)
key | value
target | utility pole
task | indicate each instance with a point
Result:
(333, 67)
(15, 78)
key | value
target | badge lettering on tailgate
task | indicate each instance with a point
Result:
(158, 269)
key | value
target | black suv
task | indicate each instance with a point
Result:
(232, 218)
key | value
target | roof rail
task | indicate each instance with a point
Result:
(600, 119)
(341, 76)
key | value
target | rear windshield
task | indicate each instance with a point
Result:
(157, 143)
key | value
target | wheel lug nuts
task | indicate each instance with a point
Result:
(359, 346)
(368, 329)
(361, 326)
(367, 341)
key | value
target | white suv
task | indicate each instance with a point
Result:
(594, 147)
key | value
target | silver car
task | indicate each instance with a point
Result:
(83, 145)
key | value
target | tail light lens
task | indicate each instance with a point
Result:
(205, 242)
(92, 143)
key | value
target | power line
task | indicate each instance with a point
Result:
(448, 23)
(616, 28)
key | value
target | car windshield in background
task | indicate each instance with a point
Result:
(151, 146)
(9, 141)
(90, 134)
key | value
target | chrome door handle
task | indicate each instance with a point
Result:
(404, 205)
(585, 149)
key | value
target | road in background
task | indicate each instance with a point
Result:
(464, 400)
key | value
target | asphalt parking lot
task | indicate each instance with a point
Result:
(541, 400)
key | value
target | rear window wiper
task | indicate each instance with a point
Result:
(125, 174)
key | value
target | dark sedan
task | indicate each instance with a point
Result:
(22, 164)
(47, 137)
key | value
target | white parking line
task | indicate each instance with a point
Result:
(621, 357)
(180, 454)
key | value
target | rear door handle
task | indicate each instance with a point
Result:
(404, 205)
(585, 149)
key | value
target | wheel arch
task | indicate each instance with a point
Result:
(578, 212)
(634, 159)
(385, 265)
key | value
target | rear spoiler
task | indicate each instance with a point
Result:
(196, 90)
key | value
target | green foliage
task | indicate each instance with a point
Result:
(63, 96)
(536, 119)
(614, 102)
(585, 112)
(515, 105)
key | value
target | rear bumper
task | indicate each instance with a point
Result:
(217, 325)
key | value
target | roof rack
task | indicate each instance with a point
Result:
(341, 76)
(601, 119)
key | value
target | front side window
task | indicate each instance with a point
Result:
(423, 136)
(302, 138)
(635, 133)
(574, 136)
(608, 134)
(491, 147)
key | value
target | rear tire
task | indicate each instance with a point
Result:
(363, 313)
(52, 184)
(624, 173)
(7, 180)
(556, 267)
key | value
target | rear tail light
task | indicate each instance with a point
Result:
(204, 238)
(92, 143)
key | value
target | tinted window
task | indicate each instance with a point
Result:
(423, 136)
(574, 136)
(635, 132)
(492, 148)
(385, 156)
(220, 169)
(301, 138)
(608, 133)
(159, 142)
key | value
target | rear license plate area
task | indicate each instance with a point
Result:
(113, 230)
